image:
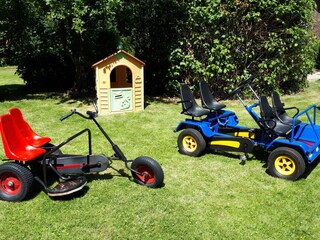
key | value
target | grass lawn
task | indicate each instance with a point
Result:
(210, 197)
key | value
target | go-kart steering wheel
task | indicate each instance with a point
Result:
(241, 85)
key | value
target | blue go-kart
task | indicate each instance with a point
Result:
(291, 144)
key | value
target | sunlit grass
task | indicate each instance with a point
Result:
(210, 197)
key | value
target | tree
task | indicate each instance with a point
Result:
(52, 38)
(150, 29)
(54, 43)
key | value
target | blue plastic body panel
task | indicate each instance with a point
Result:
(209, 126)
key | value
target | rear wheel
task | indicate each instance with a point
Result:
(286, 163)
(151, 172)
(191, 142)
(15, 182)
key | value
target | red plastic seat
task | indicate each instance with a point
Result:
(32, 138)
(14, 143)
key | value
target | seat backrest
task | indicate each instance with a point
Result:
(189, 104)
(32, 137)
(188, 101)
(276, 102)
(267, 115)
(281, 113)
(206, 95)
(269, 120)
(207, 99)
(14, 143)
(266, 111)
(22, 124)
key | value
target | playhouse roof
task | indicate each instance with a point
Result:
(115, 54)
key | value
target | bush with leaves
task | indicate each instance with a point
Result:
(225, 41)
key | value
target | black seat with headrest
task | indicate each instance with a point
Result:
(189, 104)
(280, 110)
(207, 99)
(269, 119)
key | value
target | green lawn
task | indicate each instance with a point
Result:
(210, 197)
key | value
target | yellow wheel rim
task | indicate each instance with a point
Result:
(189, 143)
(285, 165)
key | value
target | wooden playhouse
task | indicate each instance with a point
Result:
(119, 83)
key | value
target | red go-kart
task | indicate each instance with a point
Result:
(32, 157)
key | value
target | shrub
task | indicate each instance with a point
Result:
(225, 41)
(47, 72)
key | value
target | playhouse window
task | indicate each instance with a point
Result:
(121, 77)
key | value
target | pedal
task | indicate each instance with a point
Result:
(67, 187)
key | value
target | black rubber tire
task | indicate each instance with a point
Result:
(191, 142)
(58, 152)
(286, 163)
(19, 177)
(153, 172)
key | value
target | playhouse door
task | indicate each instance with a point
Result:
(120, 99)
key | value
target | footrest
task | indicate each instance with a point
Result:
(67, 187)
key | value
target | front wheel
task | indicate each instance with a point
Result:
(151, 172)
(286, 163)
(15, 182)
(191, 142)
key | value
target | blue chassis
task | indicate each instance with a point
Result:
(304, 137)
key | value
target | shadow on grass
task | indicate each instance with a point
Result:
(310, 168)
(262, 156)
(13, 92)
(37, 188)
(166, 100)
(258, 155)
(16, 92)
(93, 177)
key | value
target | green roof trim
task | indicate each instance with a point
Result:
(121, 55)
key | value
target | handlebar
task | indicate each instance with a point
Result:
(74, 111)
(68, 115)
(90, 114)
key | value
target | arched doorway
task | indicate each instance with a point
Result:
(121, 89)
(121, 77)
